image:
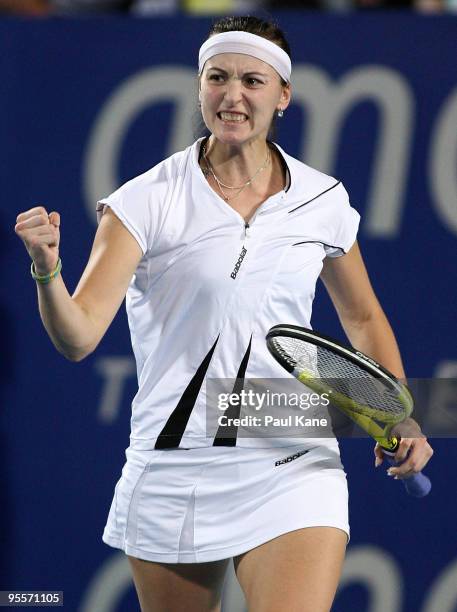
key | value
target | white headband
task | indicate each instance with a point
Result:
(247, 44)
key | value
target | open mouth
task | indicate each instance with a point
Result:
(232, 117)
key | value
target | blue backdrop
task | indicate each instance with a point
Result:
(86, 105)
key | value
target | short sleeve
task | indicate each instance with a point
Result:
(138, 204)
(133, 218)
(345, 224)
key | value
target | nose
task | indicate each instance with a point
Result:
(233, 91)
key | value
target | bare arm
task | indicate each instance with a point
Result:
(368, 330)
(359, 310)
(77, 323)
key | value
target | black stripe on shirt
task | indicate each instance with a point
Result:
(315, 197)
(329, 246)
(226, 436)
(173, 431)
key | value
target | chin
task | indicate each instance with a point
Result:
(229, 139)
(235, 137)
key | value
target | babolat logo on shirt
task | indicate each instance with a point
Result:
(291, 457)
(238, 263)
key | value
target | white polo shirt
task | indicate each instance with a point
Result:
(208, 288)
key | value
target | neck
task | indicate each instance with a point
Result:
(236, 164)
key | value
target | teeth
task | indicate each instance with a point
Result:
(233, 117)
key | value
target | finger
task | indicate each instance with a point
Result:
(30, 234)
(417, 459)
(40, 236)
(403, 449)
(31, 213)
(54, 218)
(378, 450)
(409, 445)
(379, 455)
(404, 473)
(32, 221)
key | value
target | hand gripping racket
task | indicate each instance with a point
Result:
(358, 386)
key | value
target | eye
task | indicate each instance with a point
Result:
(215, 77)
(253, 81)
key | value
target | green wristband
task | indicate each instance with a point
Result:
(47, 278)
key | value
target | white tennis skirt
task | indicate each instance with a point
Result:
(206, 504)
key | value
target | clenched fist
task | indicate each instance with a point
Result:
(41, 235)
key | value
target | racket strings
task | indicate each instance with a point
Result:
(342, 376)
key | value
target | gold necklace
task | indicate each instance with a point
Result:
(240, 188)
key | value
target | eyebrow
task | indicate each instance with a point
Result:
(245, 74)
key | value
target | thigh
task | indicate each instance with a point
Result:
(298, 571)
(178, 587)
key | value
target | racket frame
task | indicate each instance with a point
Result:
(364, 416)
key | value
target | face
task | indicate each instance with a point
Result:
(239, 95)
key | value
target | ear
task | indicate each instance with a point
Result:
(285, 96)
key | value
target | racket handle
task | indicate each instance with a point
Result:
(417, 485)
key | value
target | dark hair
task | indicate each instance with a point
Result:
(254, 25)
(266, 29)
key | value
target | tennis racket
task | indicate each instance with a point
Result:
(358, 386)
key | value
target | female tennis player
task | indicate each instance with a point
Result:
(212, 247)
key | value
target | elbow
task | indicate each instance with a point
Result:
(75, 354)
(75, 357)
